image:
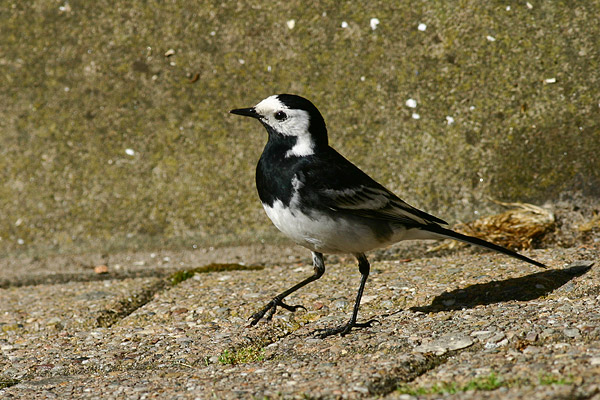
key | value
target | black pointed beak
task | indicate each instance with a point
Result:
(246, 112)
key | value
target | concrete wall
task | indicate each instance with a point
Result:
(114, 131)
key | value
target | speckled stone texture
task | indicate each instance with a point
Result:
(464, 325)
(115, 132)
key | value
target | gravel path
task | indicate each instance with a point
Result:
(464, 325)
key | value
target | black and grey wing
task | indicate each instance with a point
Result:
(377, 203)
(339, 185)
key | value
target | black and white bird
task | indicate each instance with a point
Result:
(325, 203)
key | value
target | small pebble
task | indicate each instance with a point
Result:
(572, 332)
(532, 350)
(101, 269)
(497, 337)
(367, 299)
(482, 335)
(340, 304)
(374, 22)
(447, 342)
(387, 304)
(459, 342)
(531, 337)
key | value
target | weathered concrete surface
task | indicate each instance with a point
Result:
(111, 142)
(82, 82)
(448, 323)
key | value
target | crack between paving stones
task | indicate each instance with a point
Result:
(413, 368)
(5, 382)
(177, 275)
(126, 306)
(56, 279)
(257, 342)
(407, 372)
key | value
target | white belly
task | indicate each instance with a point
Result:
(324, 234)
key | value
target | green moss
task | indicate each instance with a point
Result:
(486, 383)
(8, 382)
(10, 327)
(242, 355)
(550, 379)
(181, 276)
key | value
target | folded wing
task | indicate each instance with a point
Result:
(341, 186)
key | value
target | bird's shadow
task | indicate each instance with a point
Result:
(525, 288)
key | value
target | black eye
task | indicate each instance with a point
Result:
(280, 116)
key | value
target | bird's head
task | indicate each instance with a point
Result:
(290, 116)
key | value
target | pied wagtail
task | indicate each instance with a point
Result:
(325, 203)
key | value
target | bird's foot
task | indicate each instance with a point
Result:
(268, 310)
(343, 329)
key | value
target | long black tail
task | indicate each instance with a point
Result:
(447, 233)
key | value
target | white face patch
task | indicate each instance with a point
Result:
(295, 123)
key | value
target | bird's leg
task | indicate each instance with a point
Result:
(364, 268)
(270, 307)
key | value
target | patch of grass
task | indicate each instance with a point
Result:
(186, 274)
(242, 355)
(10, 327)
(549, 379)
(181, 276)
(7, 382)
(490, 382)
(482, 384)
(486, 383)
(444, 387)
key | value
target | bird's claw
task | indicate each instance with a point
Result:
(291, 308)
(269, 310)
(343, 329)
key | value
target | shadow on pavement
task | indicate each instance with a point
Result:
(525, 288)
